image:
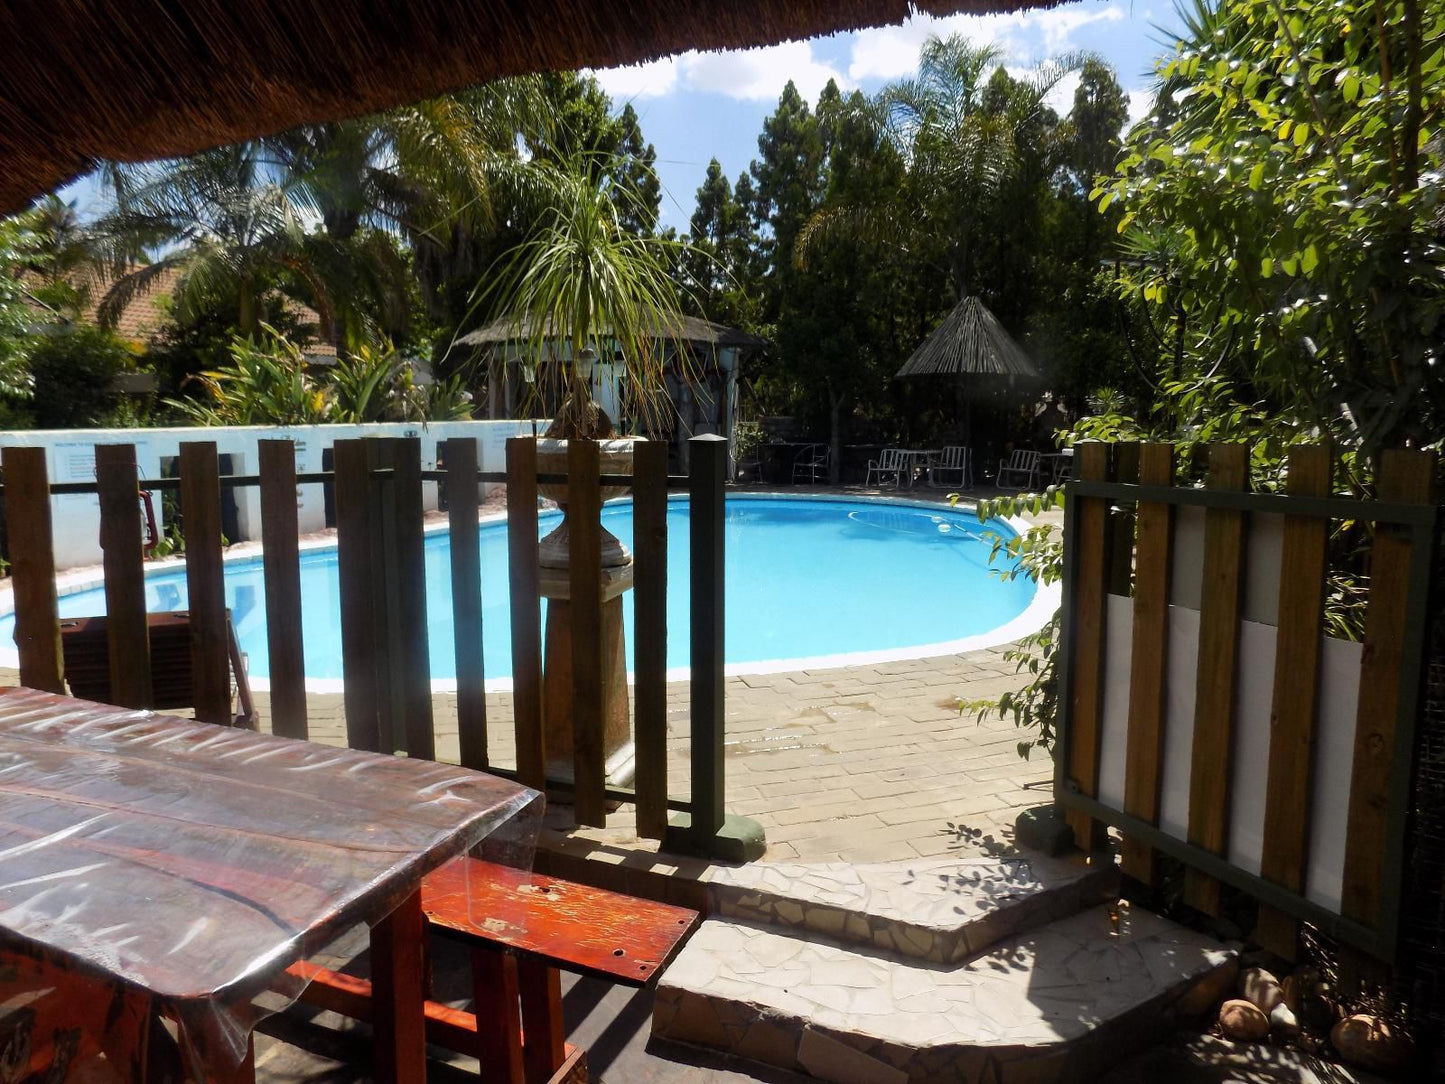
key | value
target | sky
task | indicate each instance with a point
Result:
(698, 106)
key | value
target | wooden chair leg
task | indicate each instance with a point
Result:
(544, 1049)
(399, 994)
(496, 1003)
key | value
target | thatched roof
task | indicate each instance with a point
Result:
(970, 340)
(688, 329)
(82, 80)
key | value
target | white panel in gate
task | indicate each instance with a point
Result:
(1179, 681)
(1114, 711)
(1254, 694)
(1334, 762)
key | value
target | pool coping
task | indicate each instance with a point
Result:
(1046, 601)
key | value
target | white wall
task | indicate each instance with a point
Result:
(70, 457)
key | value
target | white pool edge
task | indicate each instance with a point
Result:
(1046, 601)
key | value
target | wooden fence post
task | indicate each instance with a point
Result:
(360, 661)
(410, 654)
(584, 547)
(1295, 702)
(1086, 667)
(1150, 656)
(32, 569)
(460, 454)
(205, 581)
(649, 545)
(708, 516)
(281, 562)
(127, 630)
(1222, 586)
(525, 590)
(1405, 478)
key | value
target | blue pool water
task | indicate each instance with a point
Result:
(805, 578)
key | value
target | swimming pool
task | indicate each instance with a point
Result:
(810, 583)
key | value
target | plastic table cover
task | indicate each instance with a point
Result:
(152, 855)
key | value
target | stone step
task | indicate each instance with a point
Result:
(1060, 1002)
(942, 910)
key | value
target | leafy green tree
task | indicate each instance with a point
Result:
(1283, 210)
(73, 369)
(17, 318)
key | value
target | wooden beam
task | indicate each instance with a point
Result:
(32, 569)
(649, 544)
(360, 659)
(281, 562)
(584, 547)
(1087, 665)
(205, 581)
(399, 994)
(413, 664)
(526, 606)
(1218, 672)
(128, 634)
(1149, 658)
(460, 455)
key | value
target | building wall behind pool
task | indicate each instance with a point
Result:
(70, 457)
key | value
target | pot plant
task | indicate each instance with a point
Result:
(582, 286)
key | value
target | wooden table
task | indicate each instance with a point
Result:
(916, 458)
(152, 866)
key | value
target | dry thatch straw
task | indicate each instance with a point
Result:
(128, 80)
(970, 341)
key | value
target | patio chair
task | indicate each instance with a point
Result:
(1021, 463)
(888, 464)
(811, 464)
(956, 460)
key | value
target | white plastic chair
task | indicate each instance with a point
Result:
(955, 460)
(1021, 464)
(811, 464)
(888, 464)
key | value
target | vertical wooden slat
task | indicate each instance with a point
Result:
(205, 581)
(414, 659)
(382, 453)
(495, 997)
(584, 546)
(281, 562)
(127, 632)
(354, 541)
(1222, 583)
(32, 569)
(1406, 478)
(460, 454)
(398, 989)
(1303, 570)
(1086, 668)
(1150, 655)
(707, 513)
(540, 987)
(525, 611)
(649, 545)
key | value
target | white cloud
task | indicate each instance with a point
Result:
(1024, 36)
(751, 74)
(650, 80)
(1141, 100)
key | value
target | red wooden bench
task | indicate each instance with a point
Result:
(522, 930)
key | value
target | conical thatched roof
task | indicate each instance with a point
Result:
(970, 340)
(689, 329)
(82, 80)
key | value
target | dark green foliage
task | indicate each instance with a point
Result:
(73, 372)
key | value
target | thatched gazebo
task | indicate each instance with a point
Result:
(86, 80)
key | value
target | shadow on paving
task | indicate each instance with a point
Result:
(612, 1023)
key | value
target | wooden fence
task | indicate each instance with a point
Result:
(1206, 714)
(384, 621)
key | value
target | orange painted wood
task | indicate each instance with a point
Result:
(398, 983)
(1150, 654)
(496, 1000)
(460, 455)
(1408, 478)
(118, 490)
(1295, 703)
(205, 582)
(449, 1028)
(281, 562)
(361, 660)
(32, 569)
(649, 600)
(1223, 581)
(413, 668)
(577, 927)
(544, 1047)
(1087, 664)
(526, 613)
(584, 547)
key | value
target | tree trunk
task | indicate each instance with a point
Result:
(835, 435)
